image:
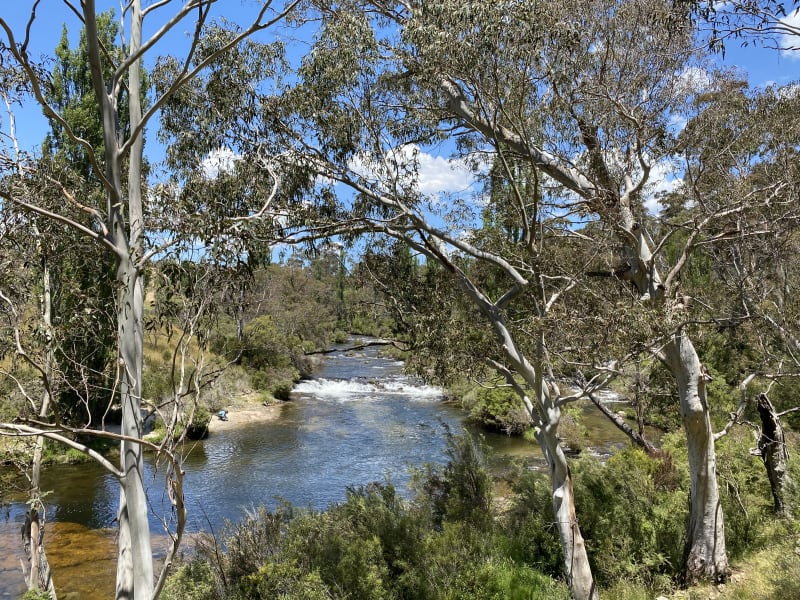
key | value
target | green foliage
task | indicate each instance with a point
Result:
(282, 390)
(337, 546)
(745, 493)
(283, 581)
(374, 545)
(446, 544)
(197, 428)
(35, 595)
(263, 345)
(633, 513)
(531, 535)
(193, 580)
(462, 490)
(785, 576)
(253, 542)
(501, 409)
(157, 379)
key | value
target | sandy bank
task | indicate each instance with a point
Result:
(243, 415)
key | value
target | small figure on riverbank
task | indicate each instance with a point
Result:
(223, 415)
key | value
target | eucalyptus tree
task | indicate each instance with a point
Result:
(582, 94)
(82, 291)
(741, 156)
(601, 81)
(118, 222)
(345, 130)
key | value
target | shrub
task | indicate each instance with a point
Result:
(500, 409)
(282, 390)
(744, 491)
(462, 490)
(530, 534)
(253, 542)
(263, 345)
(192, 581)
(197, 429)
(346, 558)
(284, 581)
(35, 595)
(633, 526)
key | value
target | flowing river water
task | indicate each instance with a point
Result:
(360, 420)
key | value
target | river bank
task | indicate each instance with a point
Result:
(245, 411)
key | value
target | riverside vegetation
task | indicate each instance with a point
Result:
(453, 539)
(295, 203)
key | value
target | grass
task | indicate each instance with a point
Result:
(772, 573)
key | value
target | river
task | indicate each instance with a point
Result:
(360, 420)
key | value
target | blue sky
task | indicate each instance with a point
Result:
(762, 66)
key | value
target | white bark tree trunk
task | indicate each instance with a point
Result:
(705, 554)
(135, 561)
(546, 415)
(133, 501)
(40, 570)
(576, 561)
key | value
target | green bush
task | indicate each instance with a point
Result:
(282, 390)
(785, 577)
(745, 493)
(374, 545)
(503, 580)
(197, 429)
(192, 581)
(462, 489)
(35, 595)
(345, 559)
(500, 409)
(283, 581)
(530, 534)
(263, 345)
(633, 513)
(156, 381)
(253, 542)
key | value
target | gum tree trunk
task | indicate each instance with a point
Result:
(705, 554)
(576, 561)
(135, 562)
(546, 415)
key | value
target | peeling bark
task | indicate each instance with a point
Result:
(576, 561)
(773, 451)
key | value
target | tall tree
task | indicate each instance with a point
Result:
(742, 164)
(118, 224)
(82, 290)
(584, 94)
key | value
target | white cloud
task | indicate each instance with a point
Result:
(677, 122)
(411, 167)
(790, 40)
(663, 179)
(442, 175)
(219, 161)
(693, 80)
